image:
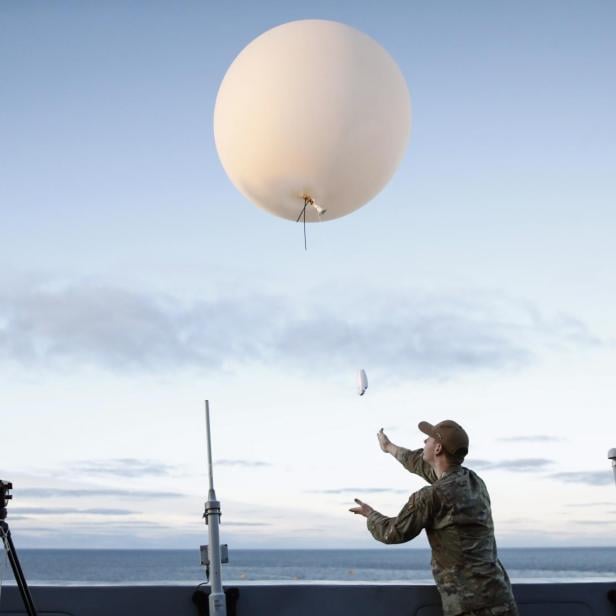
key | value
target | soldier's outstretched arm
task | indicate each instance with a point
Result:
(415, 515)
(412, 460)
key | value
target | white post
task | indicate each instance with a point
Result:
(218, 606)
(611, 454)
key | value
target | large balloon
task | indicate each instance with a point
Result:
(312, 112)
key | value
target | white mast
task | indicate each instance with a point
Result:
(217, 603)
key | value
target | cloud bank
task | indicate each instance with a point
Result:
(519, 465)
(242, 463)
(358, 491)
(86, 492)
(537, 438)
(61, 326)
(593, 478)
(72, 510)
(123, 467)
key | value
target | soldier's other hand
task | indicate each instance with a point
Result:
(362, 509)
(384, 441)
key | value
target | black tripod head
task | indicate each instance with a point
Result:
(5, 497)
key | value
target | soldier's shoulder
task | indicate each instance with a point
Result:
(459, 482)
(473, 476)
(424, 497)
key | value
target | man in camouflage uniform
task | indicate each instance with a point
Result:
(455, 511)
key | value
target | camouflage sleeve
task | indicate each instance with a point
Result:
(414, 516)
(414, 463)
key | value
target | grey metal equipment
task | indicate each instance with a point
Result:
(611, 454)
(205, 557)
(217, 601)
(9, 546)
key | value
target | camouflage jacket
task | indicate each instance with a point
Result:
(455, 511)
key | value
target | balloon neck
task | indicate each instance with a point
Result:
(309, 202)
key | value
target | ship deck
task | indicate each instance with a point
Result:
(566, 599)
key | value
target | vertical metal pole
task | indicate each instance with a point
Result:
(611, 454)
(218, 606)
(209, 451)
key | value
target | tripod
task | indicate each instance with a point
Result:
(5, 533)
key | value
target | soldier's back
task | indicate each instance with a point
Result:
(464, 556)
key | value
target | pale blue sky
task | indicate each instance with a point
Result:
(136, 280)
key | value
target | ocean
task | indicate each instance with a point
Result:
(296, 566)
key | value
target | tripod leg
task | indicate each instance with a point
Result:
(17, 570)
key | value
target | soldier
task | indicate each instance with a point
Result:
(455, 511)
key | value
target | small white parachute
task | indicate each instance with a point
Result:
(362, 382)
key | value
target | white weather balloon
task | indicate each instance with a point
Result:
(313, 112)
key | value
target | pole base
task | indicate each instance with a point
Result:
(201, 598)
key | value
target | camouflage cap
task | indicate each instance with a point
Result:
(450, 434)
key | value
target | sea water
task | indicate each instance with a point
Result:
(411, 566)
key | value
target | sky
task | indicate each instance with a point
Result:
(136, 281)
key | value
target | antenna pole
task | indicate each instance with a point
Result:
(211, 494)
(217, 602)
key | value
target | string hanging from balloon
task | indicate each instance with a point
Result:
(307, 200)
(319, 210)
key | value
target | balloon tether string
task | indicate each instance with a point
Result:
(307, 201)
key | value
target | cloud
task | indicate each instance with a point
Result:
(520, 520)
(599, 504)
(594, 478)
(85, 492)
(243, 463)
(478, 465)
(357, 491)
(60, 326)
(106, 526)
(72, 510)
(123, 467)
(528, 465)
(519, 465)
(539, 438)
(228, 523)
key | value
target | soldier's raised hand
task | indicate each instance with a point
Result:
(384, 441)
